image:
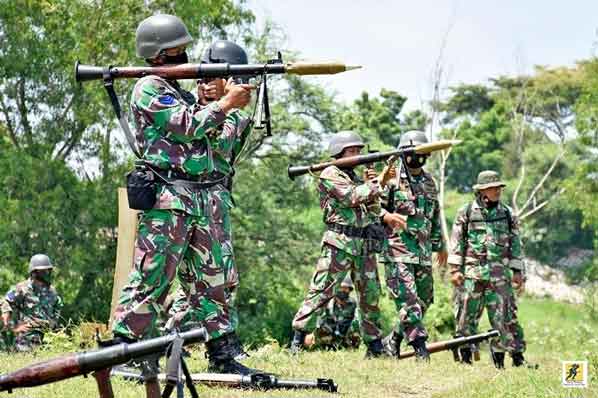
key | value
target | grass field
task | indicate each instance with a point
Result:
(554, 332)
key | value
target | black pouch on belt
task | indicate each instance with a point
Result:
(375, 234)
(141, 188)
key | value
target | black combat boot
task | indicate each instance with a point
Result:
(221, 358)
(517, 358)
(465, 355)
(297, 342)
(375, 349)
(236, 347)
(392, 344)
(421, 352)
(499, 359)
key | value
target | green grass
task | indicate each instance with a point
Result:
(554, 332)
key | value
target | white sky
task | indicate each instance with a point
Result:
(397, 42)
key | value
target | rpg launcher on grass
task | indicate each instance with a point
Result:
(454, 343)
(261, 381)
(99, 362)
(390, 157)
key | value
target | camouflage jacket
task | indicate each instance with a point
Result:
(34, 304)
(347, 202)
(423, 235)
(175, 135)
(485, 245)
(337, 321)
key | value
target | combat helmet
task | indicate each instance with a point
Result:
(342, 140)
(39, 262)
(224, 51)
(159, 32)
(412, 138)
(488, 179)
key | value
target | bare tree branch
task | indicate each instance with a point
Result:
(543, 180)
(541, 205)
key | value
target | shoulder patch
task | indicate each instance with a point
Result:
(166, 99)
(10, 296)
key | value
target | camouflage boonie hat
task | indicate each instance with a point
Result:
(488, 179)
(347, 282)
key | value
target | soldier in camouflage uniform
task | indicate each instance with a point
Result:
(228, 145)
(179, 144)
(408, 253)
(338, 327)
(348, 246)
(31, 307)
(486, 259)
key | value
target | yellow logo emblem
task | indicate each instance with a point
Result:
(575, 374)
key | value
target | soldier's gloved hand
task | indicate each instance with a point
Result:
(457, 278)
(518, 282)
(395, 221)
(237, 96)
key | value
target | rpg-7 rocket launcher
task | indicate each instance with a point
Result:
(261, 381)
(108, 74)
(97, 362)
(354, 161)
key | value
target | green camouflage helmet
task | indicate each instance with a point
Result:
(347, 282)
(488, 179)
(39, 262)
(342, 140)
(159, 32)
(412, 138)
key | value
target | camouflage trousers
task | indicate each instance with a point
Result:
(326, 338)
(499, 300)
(220, 226)
(332, 268)
(22, 342)
(411, 287)
(172, 243)
(7, 340)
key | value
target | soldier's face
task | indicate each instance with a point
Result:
(493, 194)
(351, 151)
(44, 276)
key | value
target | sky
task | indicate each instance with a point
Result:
(398, 42)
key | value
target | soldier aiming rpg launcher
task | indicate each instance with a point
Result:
(454, 343)
(274, 66)
(390, 157)
(101, 360)
(260, 381)
(194, 71)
